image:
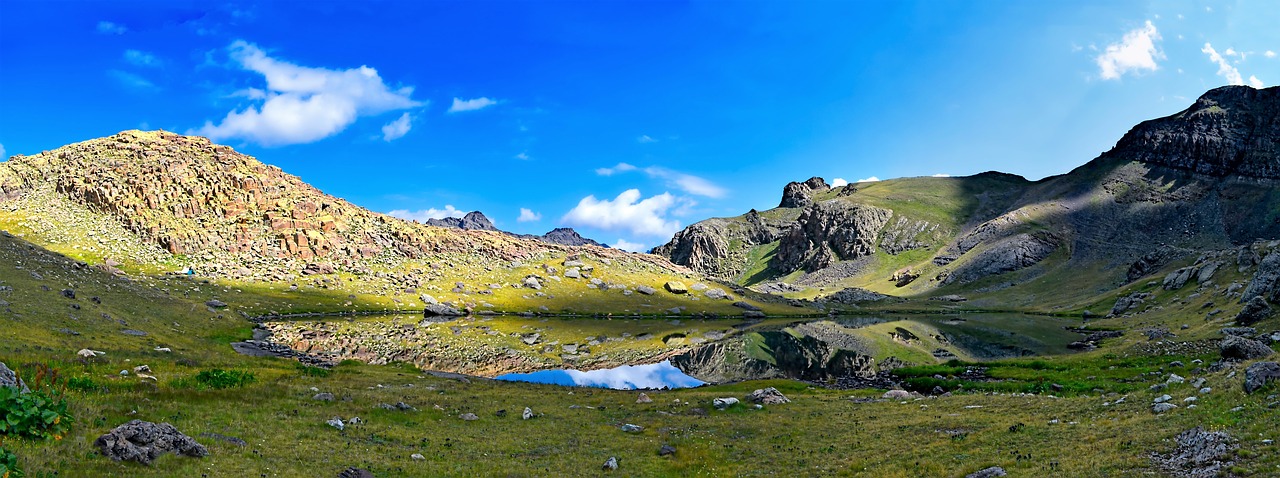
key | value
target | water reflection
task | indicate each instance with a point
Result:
(626, 377)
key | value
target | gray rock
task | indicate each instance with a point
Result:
(143, 442)
(469, 417)
(1199, 454)
(532, 283)
(646, 290)
(644, 398)
(1266, 282)
(1239, 331)
(427, 299)
(611, 464)
(723, 403)
(135, 333)
(337, 422)
(675, 287)
(1259, 375)
(530, 339)
(1162, 407)
(717, 294)
(987, 473)
(215, 303)
(573, 273)
(666, 450)
(1254, 311)
(630, 428)
(439, 310)
(8, 378)
(1234, 347)
(768, 396)
(1130, 302)
(353, 472)
(323, 396)
(745, 306)
(528, 413)
(753, 314)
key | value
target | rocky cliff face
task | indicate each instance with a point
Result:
(1229, 131)
(828, 232)
(473, 221)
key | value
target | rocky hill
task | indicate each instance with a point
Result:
(477, 221)
(156, 201)
(1199, 181)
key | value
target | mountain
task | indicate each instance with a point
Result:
(477, 221)
(148, 202)
(1202, 181)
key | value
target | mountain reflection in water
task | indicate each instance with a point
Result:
(626, 377)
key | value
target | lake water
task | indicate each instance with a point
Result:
(626, 377)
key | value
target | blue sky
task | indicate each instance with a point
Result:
(625, 120)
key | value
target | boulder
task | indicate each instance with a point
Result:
(768, 396)
(8, 378)
(1266, 282)
(897, 394)
(666, 450)
(1129, 302)
(1235, 347)
(436, 310)
(532, 283)
(1259, 374)
(143, 442)
(644, 398)
(675, 287)
(646, 290)
(987, 473)
(427, 299)
(611, 464)
(573, 273)
(1254, 311)
(1162, 407)
(215, 303)
(745, 306)
(353, 472)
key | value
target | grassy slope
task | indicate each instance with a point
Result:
(822, 432)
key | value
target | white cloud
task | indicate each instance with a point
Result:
(3, 155)
(141, 58)
(1180, 17)
(1255, 82)
(460, 104)
(304, 104)
(250, 93)
(398, 128)
(111, 28)
(1225, 69)
(628, 245)
(620, 168)
(644, 138)
(1230, 52)
(685, 182)
(1269, 54)
(131, 80)
(523, 156)
(1135, 52)
(627, 212)
(872, 179)
(1208, 9)
(942, 175)
(838, 182)
(422, 215)
(527, 215)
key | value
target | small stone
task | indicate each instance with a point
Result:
(1174, 378)
(417, 456)
(1162, 407)
(611, 464)
(528, 413)
(215, 303)
(323, 396)
(630, 428)
(646, 290)
(142, 369)
(987, 473)
(1205, 390)
(666, 450)
(768, 396)
(469, 417)
(723, 403)
(337, 423)
(1163, 398)
(644, 398)
(897, 394)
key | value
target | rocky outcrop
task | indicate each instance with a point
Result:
(791, 355)
(472, 221)
(1130, 302)
(1199, 453)
(1007, 255)
(1254, 311)
(1259, 375)
(1266, 282)
(1240, 348)
(800, 194)
(10, 379)
(828, 232)
(143, 442)
(1229, 131)
(566, 236)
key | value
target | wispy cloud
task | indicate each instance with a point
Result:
(304, 104)
(872, 179)
(1225, 69)
(141, 58)
(111, 28)
(627, 212)
(685, 182)
(644, 138)
(1134, 53)
(422, 215)
(527, 215)
(1269, 54)
(397, 129)
(4, 156)
(523, 156)
(619, 168)
(474, 104)
(131, 80)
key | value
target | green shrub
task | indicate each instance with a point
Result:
(218, 378)
(83, 384)
(9, 464)
(38, 414)
(310, 371)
